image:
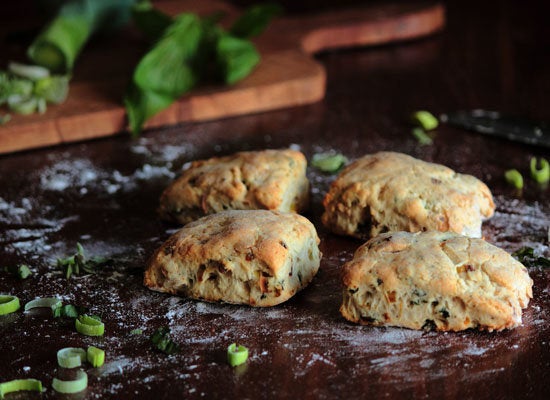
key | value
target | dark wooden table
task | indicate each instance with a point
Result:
(104, 193)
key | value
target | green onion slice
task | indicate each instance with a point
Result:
(137, 331)
(71, 357)
(52, 302)
(19, 384)
(95, 356)
(422, 137)
(74, 386)
(328, 162)
(90, 326)
(425, 119)
(236, 355)
(32, 72)
(542, 175)
(23, 271)
(8, 304)
(514, 178)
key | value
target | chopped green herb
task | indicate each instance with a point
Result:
(540, 175)
(71, 357)
(78, 264)
(69, 311)
(425, 119)
(136, 331)
(526, 256)
(89, 325)
(95, 356)
(514, 178)
(74, 386)
(22, 271)
(422, 137)
(236, 355)
(162, 341)
(44, 302)
(9, 304)
(328, 162)
(19, 385)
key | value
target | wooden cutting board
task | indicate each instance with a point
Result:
(287, 76)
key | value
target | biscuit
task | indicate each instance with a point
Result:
(254, 257)
(269, 179)
(434, 280)
(387, 192)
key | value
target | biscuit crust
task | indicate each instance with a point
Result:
(434, 280)
(254, 257)
(269, 179)
(387, 192)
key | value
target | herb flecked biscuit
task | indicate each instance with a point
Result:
(387, 192)
(255, 257)
(434, 280)
(269, 179)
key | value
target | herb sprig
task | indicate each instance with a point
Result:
(526, 256)
(78, 264)
(163, 341)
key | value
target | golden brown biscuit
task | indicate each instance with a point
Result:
(255, 257)
(387, 192)
(269, 179)
(434, 280)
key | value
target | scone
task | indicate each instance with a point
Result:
(254, 257)
(434, 280)
(269, 179)
(387, 192)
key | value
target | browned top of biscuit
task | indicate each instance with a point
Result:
(244, 180)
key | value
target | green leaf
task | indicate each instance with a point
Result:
(142, 105)
(255, 19)
(236, 58)
(166, 68)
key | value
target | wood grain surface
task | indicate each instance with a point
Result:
(287, 75)
(104, 194)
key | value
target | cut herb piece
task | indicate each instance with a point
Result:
(422, 137)
(255, 20)
(78, 264)
(95, 356)
(74, 386)
(89, 325)
(236, 355)
(136, 331)
(526, 256)
(71, 357)
(162, 341)
(21, 271)
(425, 119)
(8, 304)
(540, 175)
(32, 72)
(328, 162)
(69, 311)
(18, 385)
(514, 178)
(44, 302)
(236, 58)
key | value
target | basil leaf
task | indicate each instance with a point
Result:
(255, 19)
(236, 58)
(142, 105)
(166, 68)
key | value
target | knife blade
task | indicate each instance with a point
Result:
(493, 123)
